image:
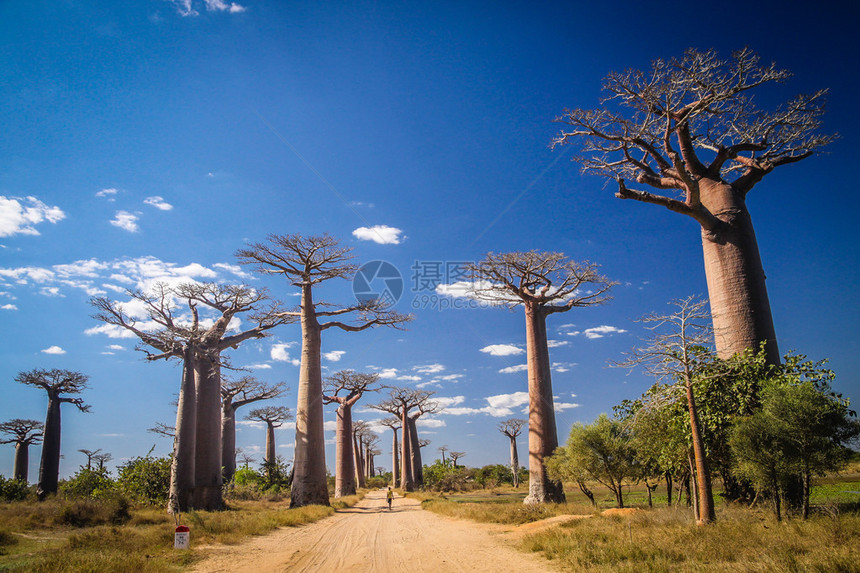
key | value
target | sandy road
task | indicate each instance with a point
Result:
(369, 537)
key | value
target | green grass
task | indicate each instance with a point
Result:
(40, 537)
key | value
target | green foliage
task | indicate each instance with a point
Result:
(498, 474)
(89, 512)
(13, 489)
(145, 479)
(94, 483)
(441, 476)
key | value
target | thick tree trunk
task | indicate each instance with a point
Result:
(543, 436)
(588, 493)
(406, 481)
(184, 442)
(395, 469)
(20, 470)
(358, 462)
(703, 475)
(270, 445)
(309, 480)
(228, 440)
(736, 280)
(49, 467)
(515, 462)
(619, 495)
(207, 453)
(415, 453)
(344, 471)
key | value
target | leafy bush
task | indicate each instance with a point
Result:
(495, 475)
(95, 483)
(89, 512)
(145, 479)
(13, 489)
(444, 477)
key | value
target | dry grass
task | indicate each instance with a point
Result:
(501, 505)
(34, 539)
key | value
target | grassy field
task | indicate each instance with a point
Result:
(667, 539)
(81, 536)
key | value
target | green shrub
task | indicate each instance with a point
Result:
(95, 483)
(13, 489)
(89, 512)
(145, 479)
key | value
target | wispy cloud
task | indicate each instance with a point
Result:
(53, 350)
(108, 194)
(334, 355)
(125, 220)
(381, 234)
(187, 7)
(19, 215)
(514, 369)
(158, 203)
(261, 366)
(601, 331)
(429, 368)
(9, 307)
(502, 350)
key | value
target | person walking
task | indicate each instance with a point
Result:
(390, 498)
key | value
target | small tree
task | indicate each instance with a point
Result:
(273, 417)
(23, 434)
(90, 454)
(544, 284)
(57, 384)
(689, 126)
(457, 456)
(235, 394)
(307, 262)
(346, 388)
(513, 428)
(442, 450)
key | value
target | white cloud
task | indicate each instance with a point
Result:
(158, 202)
(107, 194)
(513, 369)
(261, 366)
(82, 268)
(556, 343)
(51, 291)
(430, 423)
(502, 350)
(330, 425)
(235, 269)
(221, 6)
(477, 290)
(561, 406)
(381, 234)
(279, 351)
(429, 368)
(111, 331)
(388, 373)
(53, 350)
(508, 400)
(125, 220)
(446, 402)
(19, 215)
(498, 406)
(334, 355)
(449, 377)
(562, 366)
(601, 331)
(116, 347)
(410, 378)
(9, 307)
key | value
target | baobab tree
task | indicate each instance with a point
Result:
(442, 450)
(690, 126)
(273, 417)
(456, 456)
(677, 344)
(182, 333)
(307, 262)
(346, 388)
(235, 394)
(513, 428)
(90, 454)
(401, 403)
(245, 458)
(394, 424)
(57, 383)
(544, 284)
(102, 459)
(23, 433)
(359, 429)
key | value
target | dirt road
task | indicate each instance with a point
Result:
(369, 537)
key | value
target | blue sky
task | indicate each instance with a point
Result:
(149, 140)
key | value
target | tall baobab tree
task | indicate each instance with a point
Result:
(544, 284)
(442, 450)
(307, 262)
(513, 428)
(401, 403)
(690, 126)
(182, 333)
(90, 454)
(57, 383)
(23, 433)
(102, 459)
(394, 424)
(359, 429)
(273, 417)
(456, 456)
(235, 394)
(676, 346)
(346, 388)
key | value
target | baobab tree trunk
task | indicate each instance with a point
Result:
(270, 446)
(406, 480)
(736, 280)
(515, 462)
(228, 441)
(344, 471)
(49, 467)
(395, 469)
(705, 513)
(358, 462)
(415, 454)
(20, 469)
(309, 480)
(184, 442)
(207, 452)
(543, 436)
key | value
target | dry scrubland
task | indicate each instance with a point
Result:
(99, 536)
(667, 539)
